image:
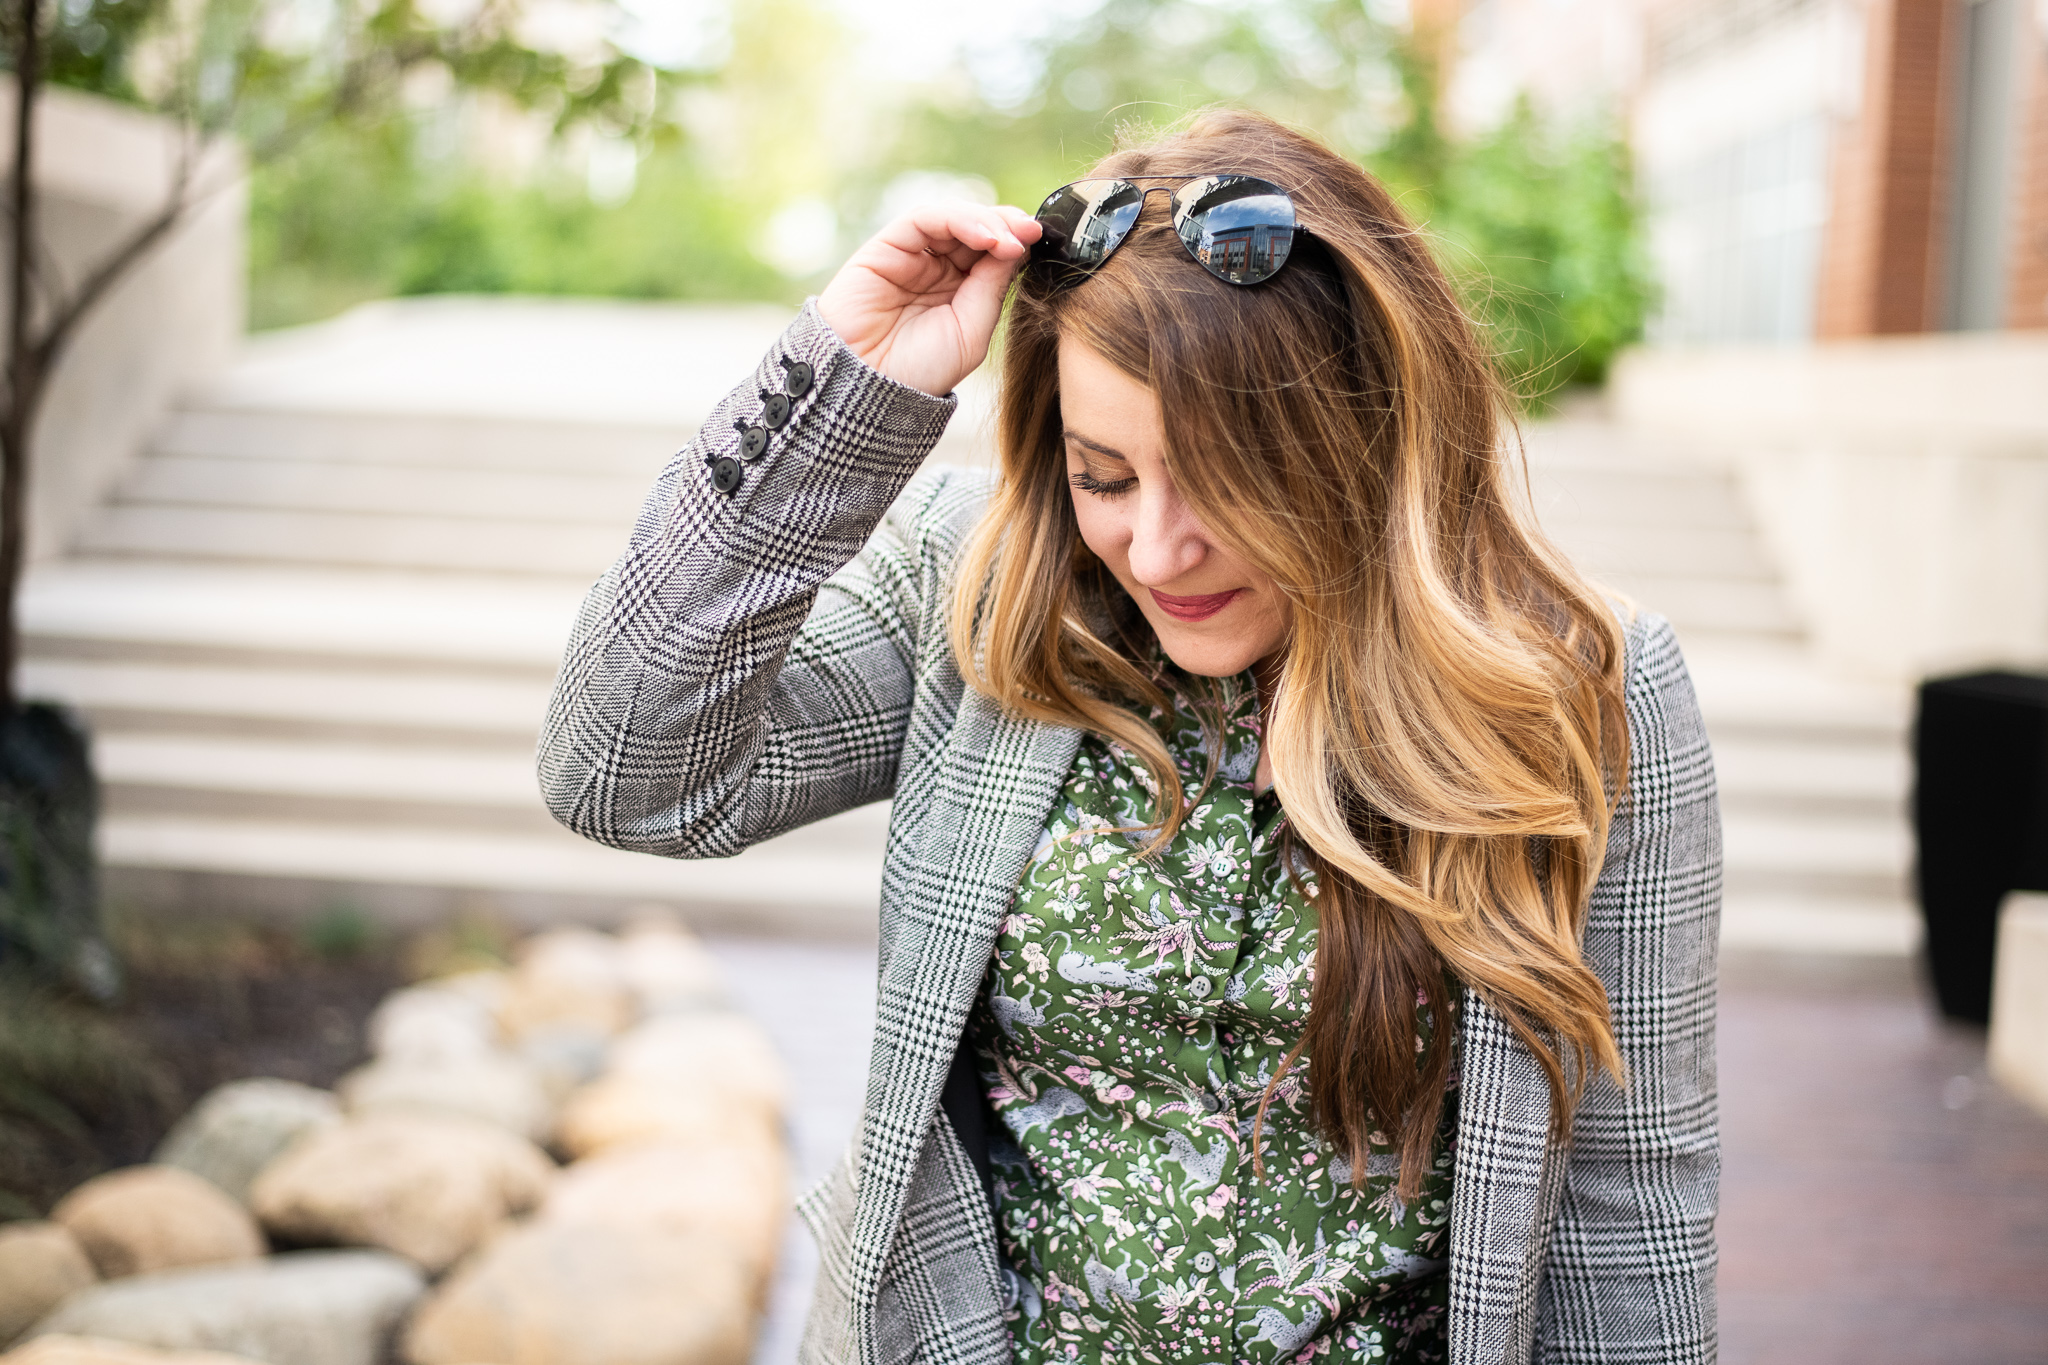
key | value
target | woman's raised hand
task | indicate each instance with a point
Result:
(919, 301)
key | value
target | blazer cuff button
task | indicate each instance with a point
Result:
(797, 382)
(725, 473)
(753, 443)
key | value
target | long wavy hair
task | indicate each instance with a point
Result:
(1446, 729)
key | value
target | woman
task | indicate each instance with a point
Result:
(1299, 912)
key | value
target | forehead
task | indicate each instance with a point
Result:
(1102, 403)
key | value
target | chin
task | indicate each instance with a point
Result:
(1204, 657)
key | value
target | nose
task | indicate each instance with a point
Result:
(1167, 541)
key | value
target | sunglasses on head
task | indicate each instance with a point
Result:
(1239, 228)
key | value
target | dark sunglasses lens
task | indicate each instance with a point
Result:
(1239, 227)
(1085, 221)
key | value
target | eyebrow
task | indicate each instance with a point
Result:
(1098, 447)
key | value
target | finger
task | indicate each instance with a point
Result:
(941, 226)
(978, 302)
(1023, 226)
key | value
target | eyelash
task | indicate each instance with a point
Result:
(1088, 483)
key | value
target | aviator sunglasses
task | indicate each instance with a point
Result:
(1239, 228)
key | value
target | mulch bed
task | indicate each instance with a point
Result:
(85, 1089)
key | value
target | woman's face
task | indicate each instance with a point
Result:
(1214, 614)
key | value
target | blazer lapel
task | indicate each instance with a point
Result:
(1505, 1184)
(994, 785)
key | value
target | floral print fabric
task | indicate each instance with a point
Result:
(1133, 1014)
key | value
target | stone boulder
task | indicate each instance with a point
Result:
(565, 1056)
(40, 1264)
(580, 1294)
(63, 1350)
(432, 1025)
(495, 1088)
(733, 1196)
(427, 1187)
(302, 1308)
(146, 1218)
(668, 970)
(240, 1127)
(567, 978)
(725, 1053)
(629, 1111)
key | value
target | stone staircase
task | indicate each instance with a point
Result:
(1813, 769)
(315, 627)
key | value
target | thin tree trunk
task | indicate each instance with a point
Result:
(24, 383)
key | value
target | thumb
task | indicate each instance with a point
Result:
(978, 303)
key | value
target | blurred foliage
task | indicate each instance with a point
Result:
(358, 215)
(79, 1091)
(1537, 222)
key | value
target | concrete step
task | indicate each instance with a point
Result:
(1710, 609)
(1578, 491)
(1605, 549)
(333, 703)
(1789, 776)
(574, 550)
(288, 615)
(1818, 854)
(397, 490)
(424, 440)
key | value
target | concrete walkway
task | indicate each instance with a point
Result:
(1882, 1202)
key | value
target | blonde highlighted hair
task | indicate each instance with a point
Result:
(1447, 734)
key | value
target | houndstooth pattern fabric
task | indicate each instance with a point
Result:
(759, 660)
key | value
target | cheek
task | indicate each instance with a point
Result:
(1102, 529)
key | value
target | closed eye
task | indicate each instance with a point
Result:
(1104, 488)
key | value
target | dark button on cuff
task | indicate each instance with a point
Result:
(725, 473)
(797, 382)
(775, 411)
(754, 443)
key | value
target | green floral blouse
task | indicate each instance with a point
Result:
(1131, 1018)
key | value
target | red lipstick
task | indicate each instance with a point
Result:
(1194, 608)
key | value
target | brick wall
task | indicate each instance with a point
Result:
(1881, 260)
(2027, 288)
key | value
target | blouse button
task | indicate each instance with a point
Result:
(1204, 1262)
(1200, 986)
(1211, 1102)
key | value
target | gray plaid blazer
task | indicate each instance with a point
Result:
(764, 658)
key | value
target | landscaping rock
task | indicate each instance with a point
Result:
(302, 1308)
(240, 1127)
(725, 1053)
(40, 1263)
(573, 1294)
(565, 1056)
(147, 1218)
(486, 986)
(431, 1025)
(567, 977)
(668, 970)
(427, 1187)
(735, 1196)
(495, 1088)
(63, 1350)
(625, 1111)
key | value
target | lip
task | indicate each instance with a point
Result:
(1194, 608)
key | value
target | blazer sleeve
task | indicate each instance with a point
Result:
(747, 665)
(1630, 1272)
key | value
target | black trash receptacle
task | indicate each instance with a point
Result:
(1980, 811)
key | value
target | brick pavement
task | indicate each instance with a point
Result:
(1883, 1203)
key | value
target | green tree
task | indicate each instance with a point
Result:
(1537, 222)
(269, 74)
